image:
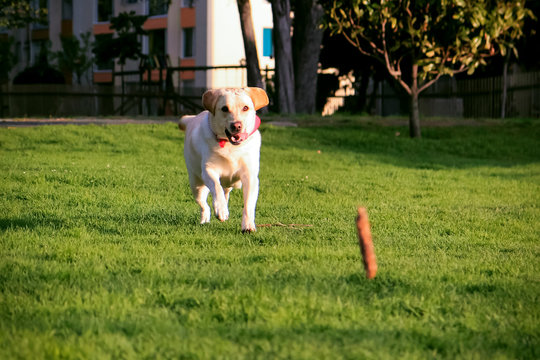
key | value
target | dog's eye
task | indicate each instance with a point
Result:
(245, 108)
(225, 109)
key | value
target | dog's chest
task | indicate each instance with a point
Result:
(230, 168)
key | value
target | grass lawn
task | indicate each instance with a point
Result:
(102, 256)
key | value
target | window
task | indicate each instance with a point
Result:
(268, 48)
(105, 10)
(157, 7)
(189, 42)
(67, 9)
(187, 3)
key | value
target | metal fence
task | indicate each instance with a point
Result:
(469, 97)
(153, 93)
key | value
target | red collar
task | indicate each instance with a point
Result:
(222, 142)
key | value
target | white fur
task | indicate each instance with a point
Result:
(218, 170)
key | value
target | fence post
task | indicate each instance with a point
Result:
(1, 101)
(141, 70)
(149, 83)
(123, 92)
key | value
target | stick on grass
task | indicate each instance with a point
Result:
(366, 243)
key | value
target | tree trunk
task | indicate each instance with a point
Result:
(307, 47)
(505, 85)
(28, 45)
(284, 77)
(414, 117)
(252, 58)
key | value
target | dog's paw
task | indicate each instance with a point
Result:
(249, 231)
(205, 215)
(248, 226)
(222, 213)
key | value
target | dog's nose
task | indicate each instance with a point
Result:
(236, 127)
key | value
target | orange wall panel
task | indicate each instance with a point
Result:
(40, 34)
(155, 23)
(100, 29)
(67, 28)
(103, 77)
(187, 17)
(187, 75)
(154, 75)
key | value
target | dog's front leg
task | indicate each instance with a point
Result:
(250, 185)
(211, 180)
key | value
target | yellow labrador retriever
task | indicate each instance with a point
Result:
(222, 147)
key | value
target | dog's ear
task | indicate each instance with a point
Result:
(209, 100)
(258, 96)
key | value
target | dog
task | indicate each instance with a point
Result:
(222, 150)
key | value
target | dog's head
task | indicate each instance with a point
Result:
(233, 111)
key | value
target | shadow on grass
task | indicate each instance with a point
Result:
(30, 223)
(441, 147)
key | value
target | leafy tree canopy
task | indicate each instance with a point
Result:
(15, 14)
(419, 41)
(75, 55)
(441, 36)
(126, 44)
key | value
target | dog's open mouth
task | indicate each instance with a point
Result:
(236, 139)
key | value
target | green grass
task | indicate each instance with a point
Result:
(102, 256)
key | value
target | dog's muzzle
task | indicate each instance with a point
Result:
(236, 139)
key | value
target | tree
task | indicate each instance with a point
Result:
(18, 14)
(126, 44)
(511, 38)
(254, 77)
(296, 71)
(74, 56)
(7, 59)
(420, 41)
(41, 72)
(307, 41)
(281, 10)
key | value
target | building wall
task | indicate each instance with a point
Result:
(217, 38)
(225, 44)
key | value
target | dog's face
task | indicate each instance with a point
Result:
(233, 111)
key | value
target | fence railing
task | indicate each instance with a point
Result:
(151, 92)
(467, 97)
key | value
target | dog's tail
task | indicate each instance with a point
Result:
(184, 121)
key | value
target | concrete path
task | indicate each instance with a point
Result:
(22, 122)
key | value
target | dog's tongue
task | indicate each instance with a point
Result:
(239, 137)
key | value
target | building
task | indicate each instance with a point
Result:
(203, 33)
